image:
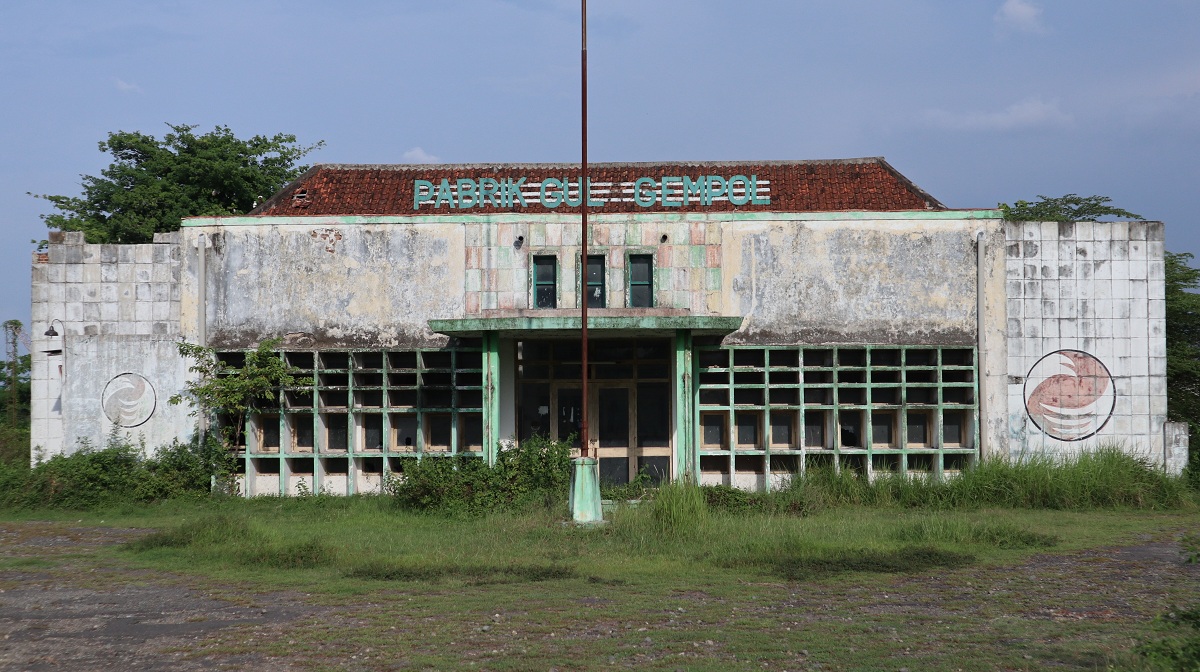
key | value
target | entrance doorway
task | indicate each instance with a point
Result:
(629, 398)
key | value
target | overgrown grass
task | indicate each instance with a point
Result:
(244, 541)
(828, 589)
(361, 538)
(948, 529)
(1106, 478)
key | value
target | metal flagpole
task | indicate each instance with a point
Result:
(585, 479)
(583, 252)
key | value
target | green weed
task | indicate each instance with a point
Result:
(305, 554)
(678, 509)
(237, 538)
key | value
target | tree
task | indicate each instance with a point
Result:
(152, 184)
(234, 391)
(1183, 343)
(1069, 208)
(14, 398)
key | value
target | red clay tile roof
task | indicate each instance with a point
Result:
(868, 184)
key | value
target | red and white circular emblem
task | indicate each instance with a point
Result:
(1070, 395)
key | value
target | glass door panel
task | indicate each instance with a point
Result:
(570, 412)
(614, 417)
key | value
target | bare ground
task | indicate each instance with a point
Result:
(63, 606)
(81, 616)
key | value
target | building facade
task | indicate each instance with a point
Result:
(747, 321)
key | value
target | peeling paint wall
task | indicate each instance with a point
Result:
(320, 286)
(852, 282)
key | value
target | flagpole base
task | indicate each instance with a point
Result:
(585, 491)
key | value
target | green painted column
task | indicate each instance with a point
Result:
(491, 395)
(686, 457)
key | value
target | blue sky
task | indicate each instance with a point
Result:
(977, 101)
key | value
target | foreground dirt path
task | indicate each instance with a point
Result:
(66, 606)
(60, 609)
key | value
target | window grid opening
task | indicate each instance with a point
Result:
(872, 409)
(370, 403)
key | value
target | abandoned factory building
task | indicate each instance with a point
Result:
(747, 321)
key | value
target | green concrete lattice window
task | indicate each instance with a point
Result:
(545, 281)
(364, 412)
(870, 409)
(641, 285)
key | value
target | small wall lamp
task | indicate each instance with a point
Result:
(51, 332)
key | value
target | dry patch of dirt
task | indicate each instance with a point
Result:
(72, 616)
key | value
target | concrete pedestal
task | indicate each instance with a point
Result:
(585, 491)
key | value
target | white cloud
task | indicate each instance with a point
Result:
(1019, 15)
(1032, 113)
(418, 155)
(125, 87)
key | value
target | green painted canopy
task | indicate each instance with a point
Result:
(601, 325)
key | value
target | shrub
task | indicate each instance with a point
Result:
(534, 473)
(117, 473)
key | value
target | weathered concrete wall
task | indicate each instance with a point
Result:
(122, 384)
(906, 278)
(1175, 447)
(901, 282)
(1086, 337)
(117, 311)
(323, 286)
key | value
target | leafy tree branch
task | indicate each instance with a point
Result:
(235, 391)
(1069, 208)
(152, 184)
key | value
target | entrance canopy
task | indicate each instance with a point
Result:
(558, 326)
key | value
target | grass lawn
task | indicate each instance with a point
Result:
(844, 589)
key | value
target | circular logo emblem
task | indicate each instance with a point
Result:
(128, 400)
(1070, 395)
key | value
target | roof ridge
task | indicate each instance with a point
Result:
(851, 184)
(617, 164)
